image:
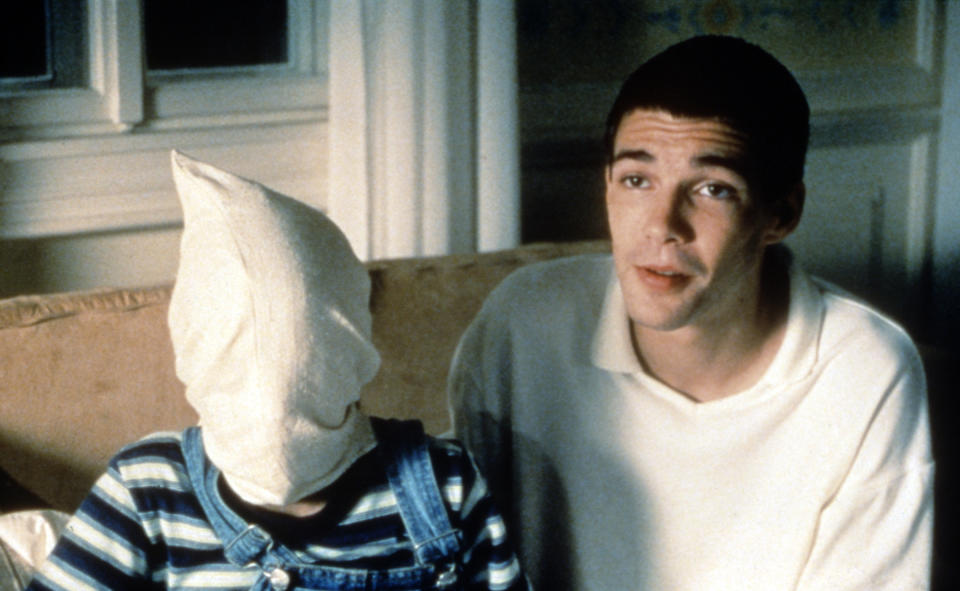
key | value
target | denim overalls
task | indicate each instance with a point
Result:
(403, 447)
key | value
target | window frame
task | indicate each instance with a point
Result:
(119, 93)
(298, 86)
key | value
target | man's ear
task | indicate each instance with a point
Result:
(607, 179)
(787, 214)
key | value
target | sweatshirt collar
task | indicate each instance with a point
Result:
(612, 348)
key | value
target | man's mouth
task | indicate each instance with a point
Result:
(662, 278)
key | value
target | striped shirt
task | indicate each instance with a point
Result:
(142, 527)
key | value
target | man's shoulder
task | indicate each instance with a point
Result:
(546, 294)
(850, 323)
(562, 277)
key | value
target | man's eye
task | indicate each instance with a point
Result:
(634, 181)
(717, 191)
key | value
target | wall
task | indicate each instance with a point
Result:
(64, 263)
(112, 218)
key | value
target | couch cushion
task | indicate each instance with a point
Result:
(83, 374)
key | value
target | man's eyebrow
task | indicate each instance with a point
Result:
(638, 154)
(736, 163)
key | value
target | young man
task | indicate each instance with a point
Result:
(694, 412)
(285, 484)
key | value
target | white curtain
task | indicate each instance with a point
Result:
(424, 155)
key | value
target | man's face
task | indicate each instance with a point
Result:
(688, 236)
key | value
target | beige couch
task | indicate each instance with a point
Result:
(81, 374)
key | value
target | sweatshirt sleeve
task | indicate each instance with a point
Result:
(479, 405)
(875, 533)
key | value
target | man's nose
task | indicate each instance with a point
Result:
(666, 218)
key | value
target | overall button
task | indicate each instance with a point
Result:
(279, 579)
(447, 578)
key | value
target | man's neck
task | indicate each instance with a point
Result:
(710, 361)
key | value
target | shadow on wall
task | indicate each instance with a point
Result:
(942, 365)
(138, 257)
(943, 316)
(21, 268)
(943, 374)
(563, 192)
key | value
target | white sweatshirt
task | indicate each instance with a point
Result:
(820, 476)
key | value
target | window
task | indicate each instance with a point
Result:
(94, 93)
(24, 40)
(29, 58)
(220, 35)
(192, 59)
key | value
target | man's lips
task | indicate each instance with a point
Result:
(662, 278)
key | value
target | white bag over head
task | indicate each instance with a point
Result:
(270, 324)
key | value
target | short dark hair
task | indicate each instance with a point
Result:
(737, 83)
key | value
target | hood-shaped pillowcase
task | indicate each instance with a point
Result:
(271, 329)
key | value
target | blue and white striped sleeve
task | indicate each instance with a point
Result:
(489, 560)
(104, 545)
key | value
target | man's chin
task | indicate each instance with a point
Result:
(660, 319)
(658, 311)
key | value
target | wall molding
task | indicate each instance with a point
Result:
(121, 182)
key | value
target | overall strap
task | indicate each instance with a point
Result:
(243, 543)
(404, 449)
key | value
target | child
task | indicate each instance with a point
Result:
(285, 483)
